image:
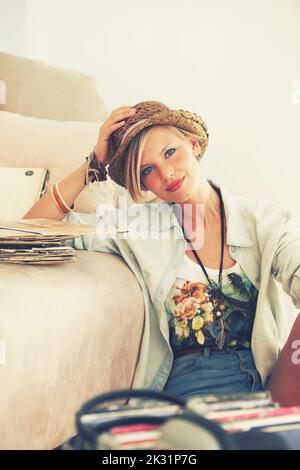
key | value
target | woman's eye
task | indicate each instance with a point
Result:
(169, 151)
(145, 172)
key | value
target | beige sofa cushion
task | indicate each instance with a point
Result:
(34, 88)
(61, 147)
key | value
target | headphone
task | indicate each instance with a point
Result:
(208, 433)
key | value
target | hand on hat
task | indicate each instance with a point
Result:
(116, 120)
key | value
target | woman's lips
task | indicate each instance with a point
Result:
(176, 186)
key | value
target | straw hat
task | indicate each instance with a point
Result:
(148, 114)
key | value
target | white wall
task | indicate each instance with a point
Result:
(232, 61)
(13, 26)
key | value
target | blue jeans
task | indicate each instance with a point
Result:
(214, 373)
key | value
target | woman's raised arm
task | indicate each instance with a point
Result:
(71, 186)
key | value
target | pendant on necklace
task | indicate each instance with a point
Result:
(220, 341)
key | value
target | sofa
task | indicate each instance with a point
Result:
(67, 332)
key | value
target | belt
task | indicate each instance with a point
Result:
(206, 350)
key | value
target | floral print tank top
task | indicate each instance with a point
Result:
(193, 315)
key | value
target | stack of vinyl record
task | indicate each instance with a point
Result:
(39, 241)
(235, 413)
(32, 252)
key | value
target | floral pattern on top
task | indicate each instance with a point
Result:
(197, 314)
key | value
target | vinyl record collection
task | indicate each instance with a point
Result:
(39, 241)
(234, 413)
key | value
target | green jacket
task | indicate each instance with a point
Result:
(264, 238)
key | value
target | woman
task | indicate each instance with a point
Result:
(206, 260)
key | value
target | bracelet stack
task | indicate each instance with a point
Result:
(95, 170)
(59, 201)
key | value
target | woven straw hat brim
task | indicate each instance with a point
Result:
(181, 119)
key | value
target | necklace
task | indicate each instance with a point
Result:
(218, 294)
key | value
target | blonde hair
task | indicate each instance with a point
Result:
(133, 157)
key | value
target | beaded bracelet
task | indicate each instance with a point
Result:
(95, 170)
